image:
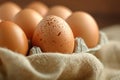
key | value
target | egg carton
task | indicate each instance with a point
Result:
(80, 47)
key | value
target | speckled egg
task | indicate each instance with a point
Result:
(53, 34)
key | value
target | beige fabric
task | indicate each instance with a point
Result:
(49, 66)
(109, 55)
(103, 65)
(112, 32)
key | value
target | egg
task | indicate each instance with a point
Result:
(84, 25)
(53, 34)
(13, 37)
(60, 11)
(27, 19)
(38, 6)
(8, 10)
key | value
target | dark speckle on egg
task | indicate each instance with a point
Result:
(59, 34)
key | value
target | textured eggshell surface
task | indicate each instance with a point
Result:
(53, 34)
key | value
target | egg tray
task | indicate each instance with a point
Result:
(80, 47)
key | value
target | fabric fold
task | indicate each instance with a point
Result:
(49, 66)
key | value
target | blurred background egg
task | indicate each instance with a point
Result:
(13, 37)
(84, 25)
(38, 6)
(53, 34)
(28, 19)
(60, 11)
(8, 10)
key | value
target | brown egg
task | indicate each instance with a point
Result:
(60, 11)
(84, 25)
(28, 19)
(8, 10)
(40, 7)
(53, 34)
(13, 37)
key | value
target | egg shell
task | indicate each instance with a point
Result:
(84, 25)
(38, 6)
(61, 11)
(53, 34)
(13, 37)
(28, 19)
(8, 10)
